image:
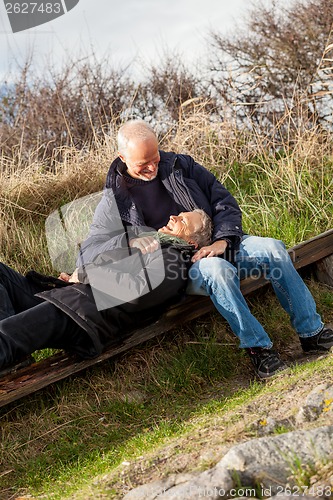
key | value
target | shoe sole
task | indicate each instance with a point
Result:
(318, 350)
(265, 376)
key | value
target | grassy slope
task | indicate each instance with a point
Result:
(173, 405)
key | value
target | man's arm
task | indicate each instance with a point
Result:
(146, 244)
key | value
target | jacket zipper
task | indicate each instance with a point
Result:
(180, 189)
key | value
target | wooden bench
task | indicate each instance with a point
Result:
(318, 250)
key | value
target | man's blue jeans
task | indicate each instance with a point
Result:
(256, 256)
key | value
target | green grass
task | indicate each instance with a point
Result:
(291, 204)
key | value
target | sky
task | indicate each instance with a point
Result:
(124, 31)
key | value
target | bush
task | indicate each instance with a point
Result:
(274, 60)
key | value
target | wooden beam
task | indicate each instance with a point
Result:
(323, 270)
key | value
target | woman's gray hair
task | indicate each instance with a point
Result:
(203, 234)
(134, 129)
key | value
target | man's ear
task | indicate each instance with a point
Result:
(122, 157)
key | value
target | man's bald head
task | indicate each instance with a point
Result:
(134, 131)
(138, 149)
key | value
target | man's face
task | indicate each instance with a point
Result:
(142, 158)
(183, 225)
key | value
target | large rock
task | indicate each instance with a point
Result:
(155, 489)
(320, 400)
(211, 485)
(270, 461)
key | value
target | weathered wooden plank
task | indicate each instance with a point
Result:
(312, 250)
(324, 270)
(60, 366)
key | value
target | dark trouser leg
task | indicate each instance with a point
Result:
(37, 328)
(16, 292)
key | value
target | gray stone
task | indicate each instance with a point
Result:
(318, 401)
(282, 496)
(211, 485)
(266, 426)
(269, 460)
(155, 489)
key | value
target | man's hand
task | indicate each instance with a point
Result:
(216, 248)
(147, 244)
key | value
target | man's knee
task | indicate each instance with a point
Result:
(271, 245)
(212, 268)
(271, 248)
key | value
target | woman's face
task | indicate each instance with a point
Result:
(183, 225)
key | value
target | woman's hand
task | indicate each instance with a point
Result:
(64, 277)
(147, 244)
